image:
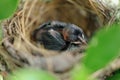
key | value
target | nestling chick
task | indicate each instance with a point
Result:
(55, 35)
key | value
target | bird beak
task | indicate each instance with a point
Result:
(83, 41)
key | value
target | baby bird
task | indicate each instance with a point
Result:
(56, 35)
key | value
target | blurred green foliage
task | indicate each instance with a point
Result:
(1, 77)
(114, 76)
(80, 73)
(30, 74)
(102, 49)
(7, 8)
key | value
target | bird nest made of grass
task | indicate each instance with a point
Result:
(31, 14)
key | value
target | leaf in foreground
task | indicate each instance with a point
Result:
(115, 76)
(104, 47)
(7, 8)
(30, 74)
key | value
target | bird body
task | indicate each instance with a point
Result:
(55, 35)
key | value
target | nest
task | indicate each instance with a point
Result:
(23, 52)
(18, 43)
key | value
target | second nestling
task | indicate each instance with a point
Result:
(55, 35)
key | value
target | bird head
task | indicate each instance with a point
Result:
(74, 34)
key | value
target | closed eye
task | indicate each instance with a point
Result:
(76, 32)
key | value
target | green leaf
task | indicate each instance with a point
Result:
(1, 77)
(30, 74)
(104, 47)
(80, 73)
(7, 8)
(115, 76)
